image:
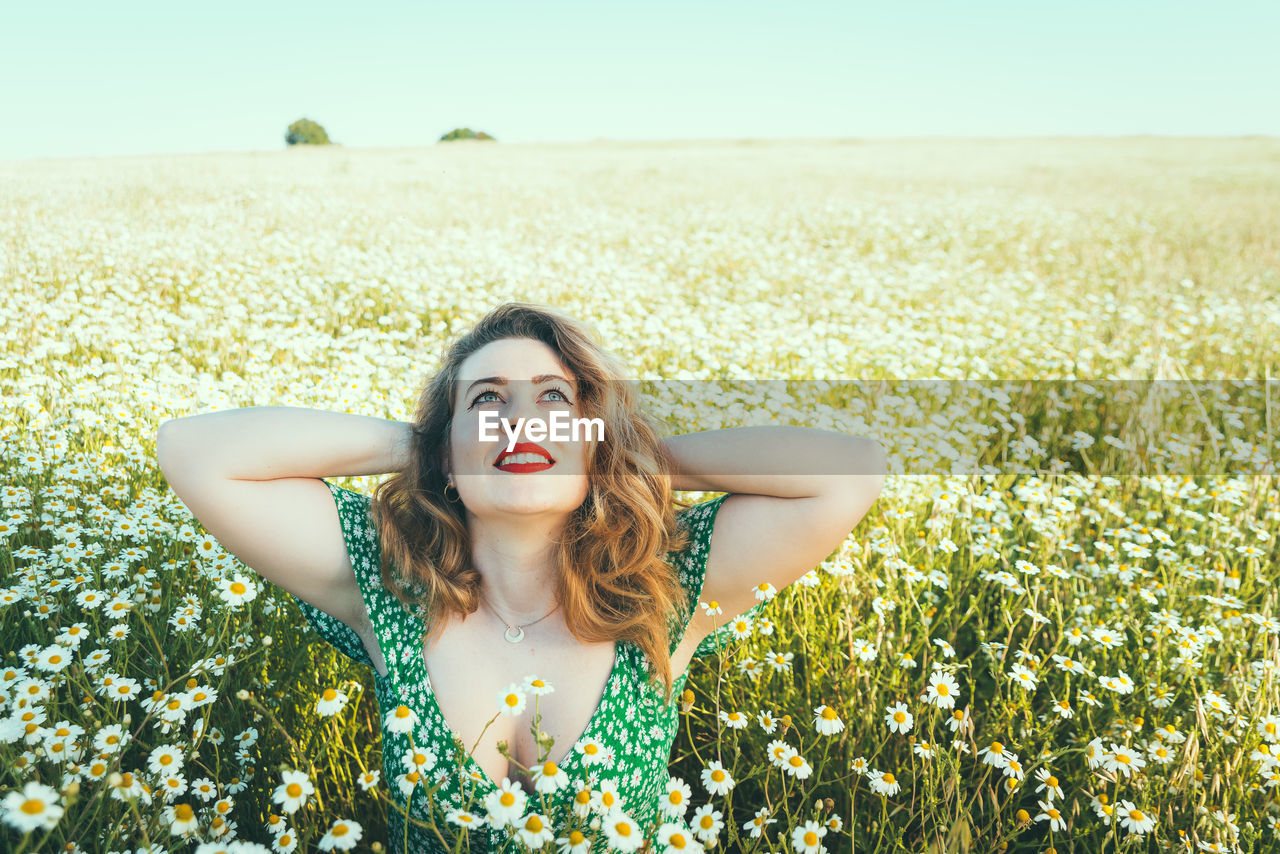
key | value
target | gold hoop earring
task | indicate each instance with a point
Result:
(445, 491)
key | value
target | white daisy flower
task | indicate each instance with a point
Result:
(1050, 813)
(807, 838)
(898, 719)
(757, 826)
(536, 686)
(511, 699)
(675, 838)
(942, 690)
(342, 836)
(716, 779)
(401, 720)
(591, 749)
(622, 831)
(1133, 819)
(826, 721)
(675, 798)
(995, 755)
(707, 823)
(534, 830)
(883, 782)
(547, 778)
(292, 793)
(505, 804)
(331, 702)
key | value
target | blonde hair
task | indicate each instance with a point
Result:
(612, 579)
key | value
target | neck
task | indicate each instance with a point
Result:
(515, 562)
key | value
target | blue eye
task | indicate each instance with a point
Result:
(563, 395)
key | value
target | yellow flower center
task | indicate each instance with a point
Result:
(238, 588)
(1052, 782)
(717, 775)
(533, 825)
(330, 695)
(943, 690)
(1136, 815)
(887, 777)
(339, 830)
(512, 700)
(829, 714)
(33, 806)
(583, 797)
(293, 790)
(796, 761)
(676, 797)
(810, 838)
(997, 747)
(899, 717)
(549, 769)
(591, 750)
(183, 812)
(576, 837)
(622, 828)
(507, 799)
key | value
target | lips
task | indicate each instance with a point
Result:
(525, 448)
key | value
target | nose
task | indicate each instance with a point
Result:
(524, 405)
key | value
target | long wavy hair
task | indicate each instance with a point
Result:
(613, 580)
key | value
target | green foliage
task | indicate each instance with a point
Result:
(306, 132)
(465, 133)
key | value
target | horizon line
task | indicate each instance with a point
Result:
(655, 141)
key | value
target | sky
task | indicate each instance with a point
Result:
(92, 79)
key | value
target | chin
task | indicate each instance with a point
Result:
(531, 502)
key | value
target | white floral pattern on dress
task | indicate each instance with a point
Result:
(632, 722)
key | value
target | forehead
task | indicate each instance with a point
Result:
(515, 359)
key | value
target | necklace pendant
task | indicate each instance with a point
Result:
(514, 638)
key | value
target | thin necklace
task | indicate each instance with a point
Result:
(518, 634)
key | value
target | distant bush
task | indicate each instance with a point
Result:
(306, 132)
(465, 133)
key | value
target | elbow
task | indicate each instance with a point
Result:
(870, 460)
(164, 441)
(866, 468)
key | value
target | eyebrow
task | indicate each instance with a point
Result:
(540, 378)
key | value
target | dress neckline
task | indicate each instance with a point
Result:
(423, 678)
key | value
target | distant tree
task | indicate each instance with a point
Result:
(306, 132)
(465, 133)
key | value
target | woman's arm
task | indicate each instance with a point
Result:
(252, 478)
(270, 442)
(797, 492)
(785, 462)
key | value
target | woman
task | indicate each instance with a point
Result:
(473, 567)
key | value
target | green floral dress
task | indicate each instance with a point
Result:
(632, 722)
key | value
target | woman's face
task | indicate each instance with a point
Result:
(531, 384)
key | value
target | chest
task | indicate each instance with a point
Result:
(470, 666)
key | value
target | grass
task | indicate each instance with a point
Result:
(139, 289)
